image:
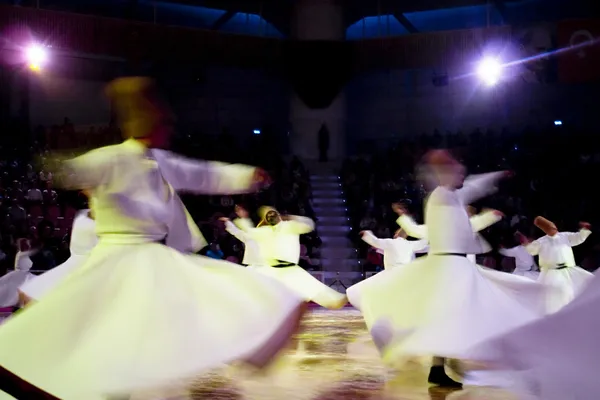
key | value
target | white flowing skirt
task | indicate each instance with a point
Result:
(569, 281)
(141, 316)
(527, 274)
(305, 285)
(442, 305)
(557, 356)
(37, 287)
(10, 284)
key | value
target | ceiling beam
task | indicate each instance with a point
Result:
(501, 8)
(405, 22)
(222, 20)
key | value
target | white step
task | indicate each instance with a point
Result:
(327, 193)
(319, 178)
(334, 230)
(339, 264)
(329, 201)
(338, 252)
(325, 186)
(335, 241)
(332, 221)
(329, 211)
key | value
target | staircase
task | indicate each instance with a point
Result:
(338, 254)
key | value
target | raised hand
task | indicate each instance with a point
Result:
(261, 179)
(524, 240)
(399, 208)
(585, 225)
(241, 212)
(224, 219)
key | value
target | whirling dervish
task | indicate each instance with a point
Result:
(12, 281)
(138, 314)
(83, 240)
(397, 251)
(278, 241)
(448, 302)
(479, 222)
(253, 256)
(557, 263)
(524, 262)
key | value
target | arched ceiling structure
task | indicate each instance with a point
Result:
(363, 18)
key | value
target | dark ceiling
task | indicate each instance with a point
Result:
(279, 12)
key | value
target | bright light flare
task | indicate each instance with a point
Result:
(36, 57)
(489, 71)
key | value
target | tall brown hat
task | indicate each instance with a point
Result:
(545, 225)
(137, 105)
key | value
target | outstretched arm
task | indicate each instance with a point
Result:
(87, 172)
(576, 238)
(235, 231)
(485, 219)
(411, 227)
(512, 252)
(478, 186)
(420, 246)
(298, 225)
(206, 177)
(372, 240)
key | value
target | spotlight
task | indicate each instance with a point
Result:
(36, 57)
(489, 71)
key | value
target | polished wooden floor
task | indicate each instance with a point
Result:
(334, 360)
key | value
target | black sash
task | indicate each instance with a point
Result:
(450, 254)
(283, 264)
(561, 266)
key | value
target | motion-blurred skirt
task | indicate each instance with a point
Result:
(441, 305)
(38, 286)
(305, 285)
(140, 316)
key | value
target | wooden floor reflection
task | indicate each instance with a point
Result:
(335, 360)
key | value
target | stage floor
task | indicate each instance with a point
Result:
(335, 359)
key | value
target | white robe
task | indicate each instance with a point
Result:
(554, 358)
(441, 304)
(12, 281)
(252, 254)
(83, 240)
(554, 251)
(479, 223)
(396, 252)
(138, 314)
(281, 243)
(524, 262)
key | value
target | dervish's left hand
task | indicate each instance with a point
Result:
(585, 225)
(261, 179)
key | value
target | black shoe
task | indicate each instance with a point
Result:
(438, 377)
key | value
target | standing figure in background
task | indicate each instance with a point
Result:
(323, 143)
(524, 263)
(557, 263)
(397, 251)
(138, 314)
(278, 241)
(13, 280)
(83, 240)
